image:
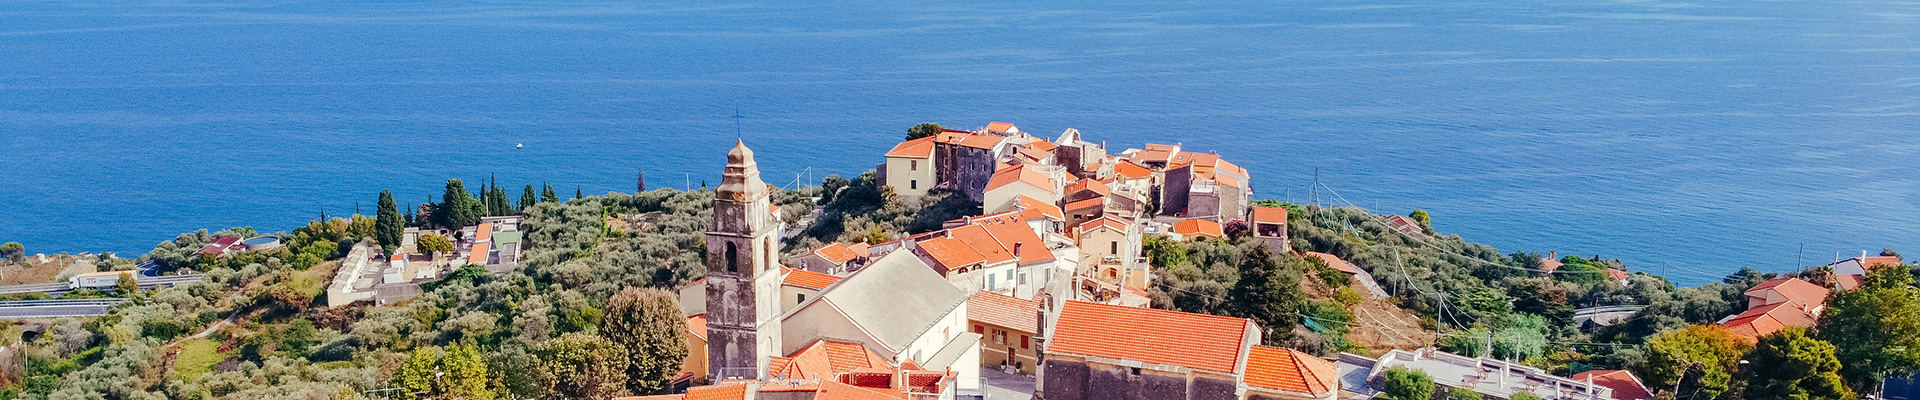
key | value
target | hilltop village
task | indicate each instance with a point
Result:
(985, 263)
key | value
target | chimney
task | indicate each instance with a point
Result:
(1863, 254)
(1553, 255)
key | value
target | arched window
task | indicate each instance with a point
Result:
(733, 258)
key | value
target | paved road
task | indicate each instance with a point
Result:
(56, 308)
(1003, 386)
(59, 288)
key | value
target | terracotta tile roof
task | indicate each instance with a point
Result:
(478, 255)
(1792, 289)
(984, 142)
(1849, 282)
(951, 253)
(807, 279)
(1035, 154)
(1131, 171)
(825, 358)
(1017, 234)
(982, 242)
(219, 244)
(1875, 261)
(1200, 227)
(1767, 319)
(1097, 202)
(1043, 145)
(1203, 342)
(1192, 158)
(1334, 262)
(836, 253)
(999, 126)
(1618, 274)
(1097, 187)
(1550, 265)
(697, 325)
(917, 148)
(831, 390)
(483, 232)
(1041, 207)
(1226, 180)
(725, 391)
(1625, 386)
(1223, 165)
(1009, 175)
(861, 249)
(1003, 310)
(1290, 370)
(1108, 222)
(1271, 215)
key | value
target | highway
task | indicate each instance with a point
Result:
(56, 308)
(59, 288)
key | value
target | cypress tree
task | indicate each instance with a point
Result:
(527, 198)
(577, 194)
(548, 196)
(457, 207)
(642, 179)
(501, 204)
(388, 223)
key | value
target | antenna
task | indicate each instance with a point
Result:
(1313, 192)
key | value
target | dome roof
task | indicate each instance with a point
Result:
(740, 153)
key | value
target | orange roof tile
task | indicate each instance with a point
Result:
(836, 253)
(917, 148)
(1035, 154)
(483, 232)
(1550, 265)
(984, 142)
(1335, 262)
(1097, 187)
(1191, 158)
(478, 255)
(1204, 342)
(831, 390)
(1290, 370)
(824, 359)
(1618, 274)
(951, 253)
(1223, 165)
(1271, 215)
(1793, 289)
(1017, 234)
(1109, 222)
(1767, 319)
(1044, 208)
(725, 391)
(977, 237)
(697, 324)
(1009, 175)
(1200, 227)
(1003, 310)
(1097, 202)
(1625, 386)
(1132, 171)
(999, 126)
(861, 249)
(1226, 180)
(1870, 262)
(1849, 282)
(807, 279)
(1043, 144)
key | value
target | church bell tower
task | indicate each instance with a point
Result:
(743, 282)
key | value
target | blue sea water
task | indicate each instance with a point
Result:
(1691, 138)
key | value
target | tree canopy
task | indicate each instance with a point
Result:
(1407, 384)
(924, 129)
(1790, 365)
(647, 323)
(1875, 328)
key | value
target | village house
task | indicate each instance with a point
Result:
(1777, 304)
(833, 258)
(1850, 274)
(799, 285)
(1197, 229)
(1020, 180)
(999, 253)
(1099, 351)
(965, 161)
(1625, 386)
(910, 168)
(1113, 250)
(1269, 226)
(1007, 326)
(898, 308)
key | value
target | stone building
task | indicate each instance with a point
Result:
(742, 283)
(1099, 351)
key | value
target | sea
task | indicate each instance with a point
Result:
(1685, 138)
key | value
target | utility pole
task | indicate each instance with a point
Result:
(1313, 192)
(1800, 260)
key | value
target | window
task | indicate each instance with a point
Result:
(1136, 371)
(913, 184)
(1009, 275)
(990, 281)
(999, 336)
(913, 165)
(1113, 247)
(1023, 341)
(979, 329)
(800, 298)
(733, 258)
(1023, 278)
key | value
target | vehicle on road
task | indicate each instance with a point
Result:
(95, 280)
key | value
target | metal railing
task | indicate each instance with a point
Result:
(61, 302)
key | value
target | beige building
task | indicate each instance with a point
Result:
(1007, 326)
(1010, 183)
(909, 168)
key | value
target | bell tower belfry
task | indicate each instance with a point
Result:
(743, 282)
